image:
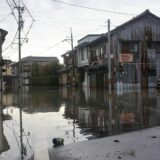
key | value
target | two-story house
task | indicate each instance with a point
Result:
(134, 56)
(68, 74)
(83, 55)
(134, 53)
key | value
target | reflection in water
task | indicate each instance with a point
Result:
(3, 142)
(104, 114)
(74, 114)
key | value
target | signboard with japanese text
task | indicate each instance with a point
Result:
(126, 57)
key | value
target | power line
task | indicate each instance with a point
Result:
(13, 5)
(95, 9)
(11, 42)
(27, 10)
(12, 10)
(51, 47)
(11, 53)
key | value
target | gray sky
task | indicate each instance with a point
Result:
(53, 22)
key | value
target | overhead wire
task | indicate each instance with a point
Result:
(11, 42)
(11, 52)
(27, 10)
(12, 10)
(51, 47)
(95, 9)
(25, 39)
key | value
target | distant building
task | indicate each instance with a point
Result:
(3, 34)
(26, 67)
(3, 143)
(7, 72)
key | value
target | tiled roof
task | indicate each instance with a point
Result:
(39, 59)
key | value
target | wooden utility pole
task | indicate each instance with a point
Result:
(20, 26)
(71, 40)
(73, 58)
(109, 56)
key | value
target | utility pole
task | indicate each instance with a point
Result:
(71, 39)
(20, 26)
(109, 80)
(19, 6)
(109, 56)
(73, 58)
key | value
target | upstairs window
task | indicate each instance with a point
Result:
(129, 47)
(82, 54)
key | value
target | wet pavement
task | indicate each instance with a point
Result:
(31, 120)
(138, 145)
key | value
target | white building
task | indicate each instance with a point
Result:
(84, 56)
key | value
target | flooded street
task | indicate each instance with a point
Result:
(73, 114)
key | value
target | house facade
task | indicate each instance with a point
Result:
(68, 74)
(135, 55)
(134, 52)
(3, 34)
(7, 72)
(83, 56)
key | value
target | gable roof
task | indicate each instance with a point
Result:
(146, 13)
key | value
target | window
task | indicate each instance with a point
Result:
(93, 54)
(133, 47)
(156, 46)
(129, 47)
(82, 54)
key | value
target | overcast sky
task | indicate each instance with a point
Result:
(53, 21)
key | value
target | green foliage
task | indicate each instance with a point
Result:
(46, 74)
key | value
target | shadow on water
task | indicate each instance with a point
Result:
(73, 114)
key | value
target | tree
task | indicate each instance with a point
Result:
(46, 74)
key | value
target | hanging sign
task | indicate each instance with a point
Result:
(127, 57)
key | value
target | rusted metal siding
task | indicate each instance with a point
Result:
(138, 30)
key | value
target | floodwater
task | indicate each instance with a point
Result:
(43, 113)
